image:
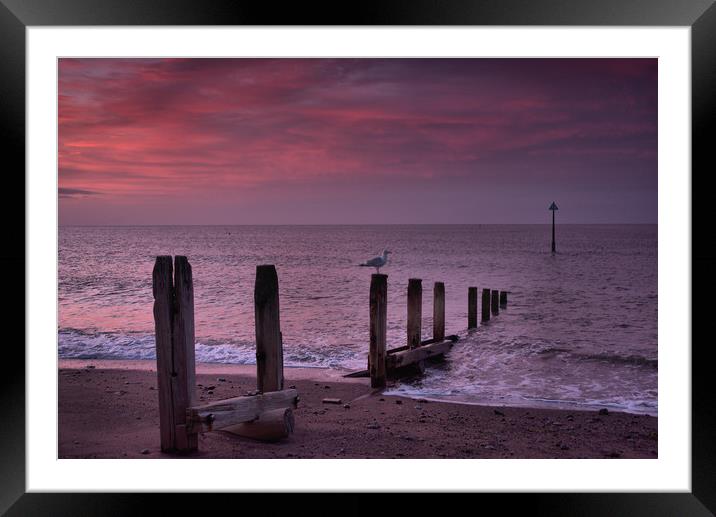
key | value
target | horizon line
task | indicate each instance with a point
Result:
(362, 224)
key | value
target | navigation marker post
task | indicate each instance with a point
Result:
(553, 207)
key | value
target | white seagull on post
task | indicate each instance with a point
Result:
(377, 262)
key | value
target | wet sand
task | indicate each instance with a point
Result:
(109, 409)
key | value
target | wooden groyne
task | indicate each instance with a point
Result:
(267, 415)
(416, 354)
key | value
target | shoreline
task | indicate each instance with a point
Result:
(109, 409)
(321, 373)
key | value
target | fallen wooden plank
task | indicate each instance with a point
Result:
(361, 373)
(414, 355)
(224, 413)
(271, 426)
(430, 341)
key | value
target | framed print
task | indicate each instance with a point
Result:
(383, 174)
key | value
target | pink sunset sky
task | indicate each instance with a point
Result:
(333, 141)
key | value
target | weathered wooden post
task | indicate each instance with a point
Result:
(485, 305)
(184, 379)
(415, 309)
(174, 337)
(378, 329)
(439, 311)
(471, 307)
(163, 291)
(503, 299)
(269, 347)
(495, 302)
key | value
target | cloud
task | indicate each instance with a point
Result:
(178, 128)
(75, 192)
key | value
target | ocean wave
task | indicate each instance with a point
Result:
(88, 344)
(629, 360)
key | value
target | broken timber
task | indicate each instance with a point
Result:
(414, 355)
(271, 426)
(225, 413)
(365, 373)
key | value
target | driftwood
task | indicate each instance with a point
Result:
(270, 426)
(224, 413)
(415, 355)
(451, 337)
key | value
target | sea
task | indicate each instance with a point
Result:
(579, 331)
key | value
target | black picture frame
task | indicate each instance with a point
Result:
(17, 15)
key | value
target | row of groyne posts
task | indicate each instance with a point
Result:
(266, 414)
(386, 363)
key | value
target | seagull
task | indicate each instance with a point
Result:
(377, 262)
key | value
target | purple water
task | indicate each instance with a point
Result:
(580, 329)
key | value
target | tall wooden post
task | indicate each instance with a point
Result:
(495, 302)
(174, 337)
(503, 299)
(439, 311)
(485, 305)
(269, 346)
(184, 379)
(415, 310)
(471, 307)
(378, 329)
(163, 291)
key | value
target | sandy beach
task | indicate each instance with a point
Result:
(109, 409)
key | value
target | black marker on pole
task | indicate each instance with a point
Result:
(553, 208)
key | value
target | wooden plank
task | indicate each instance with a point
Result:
(503, 299)
(485, 305)
(269, 346)
(378, 329)
(163, 292)
(271, 426)
(183, 375)
(471, 307)
(224, 413)
(439, 311)
(414, 355)
(452, 337)
(360, 373)
(415, 311)
(495, 302)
